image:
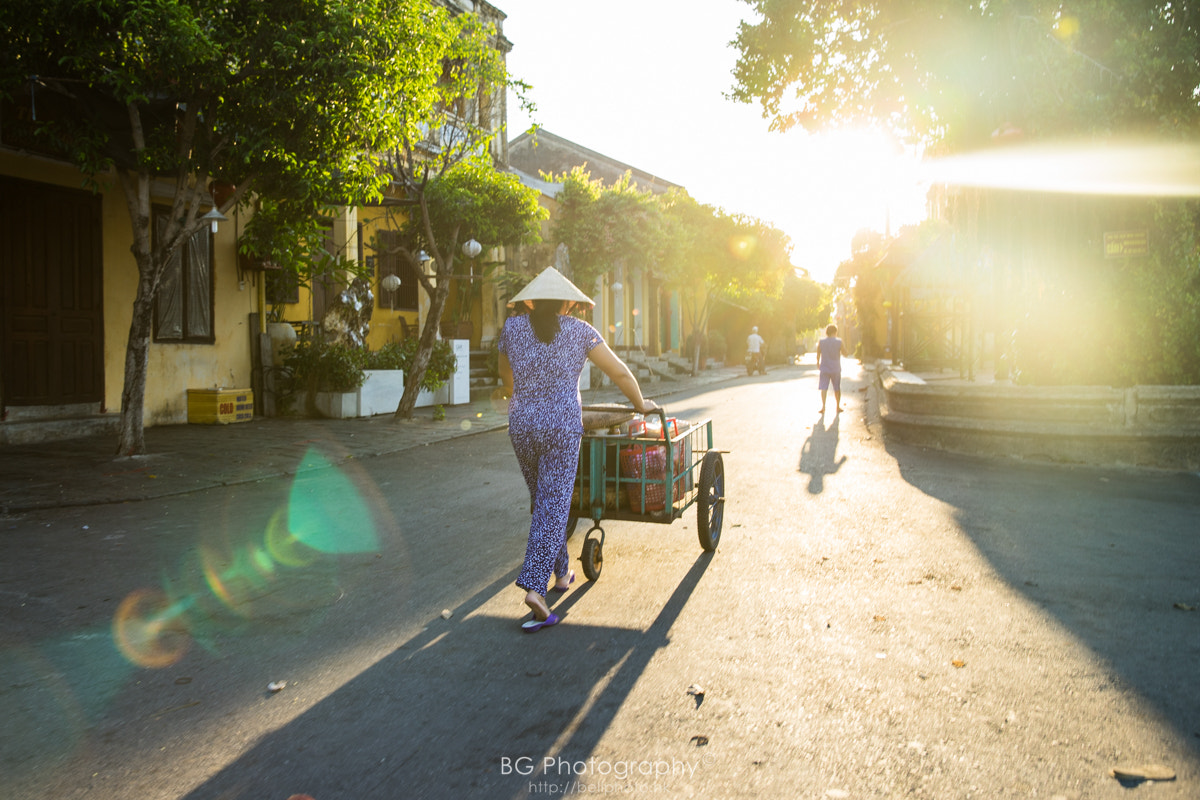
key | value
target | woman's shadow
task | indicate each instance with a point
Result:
(818, 456)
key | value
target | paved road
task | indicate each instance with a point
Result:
(877, 621)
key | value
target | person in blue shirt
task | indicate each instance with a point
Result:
(829, 362)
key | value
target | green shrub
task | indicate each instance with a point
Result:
(323, 367)
(390, 356)
(400, 355)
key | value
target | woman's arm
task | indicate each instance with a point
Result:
(618, 372)
(506, 374)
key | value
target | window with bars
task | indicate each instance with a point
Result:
(392, 262)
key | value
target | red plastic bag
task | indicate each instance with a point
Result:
(650, 462)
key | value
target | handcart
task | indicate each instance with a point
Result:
(641, 472)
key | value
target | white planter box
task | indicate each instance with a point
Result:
(337, 405)
(458, 388)
(382, 389)
(380, 392)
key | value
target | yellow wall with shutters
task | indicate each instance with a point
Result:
(173, 368)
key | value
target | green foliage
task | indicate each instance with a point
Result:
(703, 252)
(605, 226)
(289, 100)
(326, 367)
(289, 95)
(400, 355)
(802, 306)
(943, 70)
(475, 200)
(391, 356)
(807, 303)
(294, 242)
(441, 172)
(711, 256)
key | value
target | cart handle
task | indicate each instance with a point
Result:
(662, 412)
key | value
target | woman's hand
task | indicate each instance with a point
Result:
(648, 407)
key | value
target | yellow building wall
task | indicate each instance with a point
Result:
(173, 368)
(385, 321)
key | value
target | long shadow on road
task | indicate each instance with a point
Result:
(818, 456)
(1111, 554)
(460, 710)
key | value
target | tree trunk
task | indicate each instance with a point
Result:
(416, 372)
(132, 441)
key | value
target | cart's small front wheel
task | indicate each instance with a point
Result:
(592, 558)
(710, 504)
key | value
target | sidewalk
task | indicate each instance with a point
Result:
(189, 458)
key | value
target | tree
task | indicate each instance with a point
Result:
(607, 226)
(961, 75)
(448, 180)
(713, 256)
(805, 304)
(286, 99)
(704, 253)
(952, 73)
(469, 199)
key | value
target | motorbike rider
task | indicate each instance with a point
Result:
(754, 344)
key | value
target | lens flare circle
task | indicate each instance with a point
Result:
(742, 247)
(148, 631)
(283, 545)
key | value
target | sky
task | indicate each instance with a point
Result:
(644, 83)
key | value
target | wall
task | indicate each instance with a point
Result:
(1150, 426)
(172, 368)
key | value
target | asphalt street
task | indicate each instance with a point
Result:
(877, 621)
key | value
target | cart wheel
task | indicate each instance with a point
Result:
(592, 558)
(572, 522)
(710, 504)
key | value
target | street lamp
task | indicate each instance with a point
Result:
(471, 248)
(213, 216)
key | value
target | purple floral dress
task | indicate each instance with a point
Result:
(545, 424)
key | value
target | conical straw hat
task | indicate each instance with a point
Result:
(551, 285)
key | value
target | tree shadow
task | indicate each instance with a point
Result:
(470, 707)
(818, 455)
(1110, 554)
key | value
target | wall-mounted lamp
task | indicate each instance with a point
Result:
(214, 217)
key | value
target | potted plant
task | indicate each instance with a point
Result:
(331, 373)
(384, 375)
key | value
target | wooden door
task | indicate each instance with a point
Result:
(52, 323)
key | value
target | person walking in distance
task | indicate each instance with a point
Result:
(829, 362)
(542, 355)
